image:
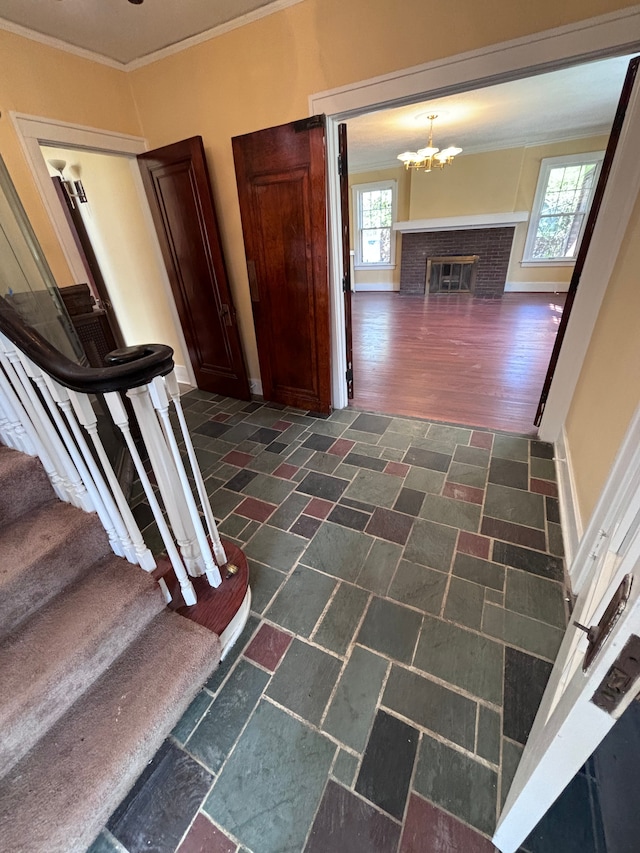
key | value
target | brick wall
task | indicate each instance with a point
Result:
(492, 245)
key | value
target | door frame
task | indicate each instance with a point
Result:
(32, 131)
(608, 35)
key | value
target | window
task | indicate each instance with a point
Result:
(563, 197)
(375, 213)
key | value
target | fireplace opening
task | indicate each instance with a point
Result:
(452, 274)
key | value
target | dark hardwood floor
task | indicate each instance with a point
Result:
(454, 358)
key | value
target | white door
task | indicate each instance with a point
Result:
(569, 724)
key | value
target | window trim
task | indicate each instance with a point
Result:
(546, 165)
(358, 189)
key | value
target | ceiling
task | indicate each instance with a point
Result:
(121, 31)
(575, 102)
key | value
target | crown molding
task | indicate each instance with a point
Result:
(156, 55)
(214, 32)
(58, 44)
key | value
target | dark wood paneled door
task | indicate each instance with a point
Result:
(281, 176)
(176, 181)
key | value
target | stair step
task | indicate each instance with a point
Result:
(41, 553)
(23, 485)
(48, 663)
(60, 795)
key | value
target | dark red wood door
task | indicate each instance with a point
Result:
(343, 169)
(176, 181)
(281, 177)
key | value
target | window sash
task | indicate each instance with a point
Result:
(565, 190)
(375, 207)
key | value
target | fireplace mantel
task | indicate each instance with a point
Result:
(463, 223)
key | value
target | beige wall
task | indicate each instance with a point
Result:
(38, 80)
(403, 179)
(495, 182)
(608, 390)
(123, 245)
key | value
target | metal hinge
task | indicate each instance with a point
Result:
(349, 374)
(341, 165)
(345, 283)
(597, 634)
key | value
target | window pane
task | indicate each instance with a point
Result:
(564, 206)
(376, 208)
(376, 245)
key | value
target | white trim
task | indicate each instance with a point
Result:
(614, 33)
(214, 32)
(385, 286)
(595, 38)
(462, 223)
(556, 262)
(34, 130)
(536, 287)
(339, 397)
(233, 630)
(570, 517)
(58, 44)
(255, 387)
(170, 50)
(182, 375)
(547, 164)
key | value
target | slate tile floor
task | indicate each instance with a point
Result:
(408, 602)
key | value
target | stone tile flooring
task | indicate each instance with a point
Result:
(408, 603)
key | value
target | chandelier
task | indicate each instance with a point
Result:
(427, 158)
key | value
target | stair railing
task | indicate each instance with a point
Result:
(46, 410)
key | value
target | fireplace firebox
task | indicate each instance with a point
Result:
(452, 274)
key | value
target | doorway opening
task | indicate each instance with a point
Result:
(471, 344)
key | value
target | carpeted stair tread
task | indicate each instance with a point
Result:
(41, 553)
(60, 795)
(23, 484)
(47, 663)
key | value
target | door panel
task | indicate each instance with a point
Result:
(343, 168)
(282, 189)
(177, 185)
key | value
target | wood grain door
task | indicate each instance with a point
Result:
(177, 185)
(281, 177)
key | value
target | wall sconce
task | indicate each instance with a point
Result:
(74, 189)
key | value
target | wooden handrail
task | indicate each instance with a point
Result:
(128, 368)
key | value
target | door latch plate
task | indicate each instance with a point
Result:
(620, 678)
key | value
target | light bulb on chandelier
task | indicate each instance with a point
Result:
(427, 158)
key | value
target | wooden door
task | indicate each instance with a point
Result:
(281, 176)
(343, 170)
(614, 137)
(177, 185)
(75, 221)
(595, 676)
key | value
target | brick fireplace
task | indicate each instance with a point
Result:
(491, 245)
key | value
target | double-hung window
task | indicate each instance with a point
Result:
(375, 213)
(563, 197)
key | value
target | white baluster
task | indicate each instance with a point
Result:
(84, 499)
(33, 444)
(171, 384)
(168, 481)
(135, 549)
(120, 417)
(90, 473)
(66, 475)
(8, 424)
(161, 405)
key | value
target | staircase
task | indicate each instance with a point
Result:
(94, 670)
